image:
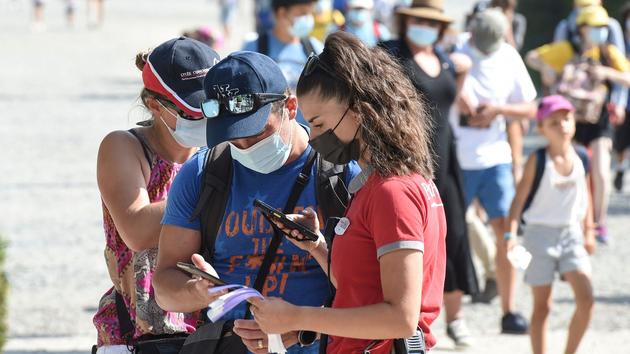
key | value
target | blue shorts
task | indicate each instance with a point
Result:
(494, 186)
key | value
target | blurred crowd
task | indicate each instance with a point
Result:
(482, 101)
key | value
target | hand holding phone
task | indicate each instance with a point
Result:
(192, 269)
(276, 217)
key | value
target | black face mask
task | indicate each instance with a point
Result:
(335, 151)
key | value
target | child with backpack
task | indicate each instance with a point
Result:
(553, 200)
(571, 71)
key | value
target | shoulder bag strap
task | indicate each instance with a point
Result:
(270, 254)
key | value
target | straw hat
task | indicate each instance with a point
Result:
(428, 9)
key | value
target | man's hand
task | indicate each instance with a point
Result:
(486, 113)
(256, 340)
(199, 287)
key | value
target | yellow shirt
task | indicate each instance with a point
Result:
(324, 22)
(558, 54)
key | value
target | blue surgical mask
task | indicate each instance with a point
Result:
(188, 133)
(422, 35)
(359, 17)
(302, 26)
(598, 35)
(265, 156)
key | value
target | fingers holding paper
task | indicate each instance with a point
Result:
(274, 315)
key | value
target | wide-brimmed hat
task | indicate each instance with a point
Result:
(428, 9)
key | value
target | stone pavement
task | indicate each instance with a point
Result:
(62, 90)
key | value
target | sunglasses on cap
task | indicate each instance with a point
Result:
(239, 104)
(313, 63)
(168, 104)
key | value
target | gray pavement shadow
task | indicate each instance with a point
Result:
(621, 208)
(613, 300)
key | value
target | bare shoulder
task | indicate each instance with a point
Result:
(120, 149)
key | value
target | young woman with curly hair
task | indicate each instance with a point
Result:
(388, 257)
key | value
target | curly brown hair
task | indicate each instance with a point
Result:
(395, 127)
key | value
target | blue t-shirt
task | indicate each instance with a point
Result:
(245, 234)
(289, 57)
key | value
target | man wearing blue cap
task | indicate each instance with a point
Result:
(249, 107)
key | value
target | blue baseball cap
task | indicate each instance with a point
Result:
(176, 69)
(237, 74)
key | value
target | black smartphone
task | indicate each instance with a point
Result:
(274, 215)
(192, 269)
(464, 120)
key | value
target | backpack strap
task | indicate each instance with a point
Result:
(300, 183)
(213, 196)
(263, 43)
(146, 149)
(582, 153)
(541, 159)
(307, 46)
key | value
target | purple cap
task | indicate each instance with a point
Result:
(550, 104)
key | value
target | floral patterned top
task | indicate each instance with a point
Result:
(131, 272)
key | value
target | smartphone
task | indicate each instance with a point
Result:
(192, 269)
(274, 215)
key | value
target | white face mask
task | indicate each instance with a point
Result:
(267, 155)
(188, 133)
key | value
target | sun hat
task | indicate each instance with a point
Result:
(428, 9)
(594, 16)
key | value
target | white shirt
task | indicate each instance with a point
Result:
(496, 79)
(560, 200)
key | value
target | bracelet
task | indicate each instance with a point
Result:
(508, 235)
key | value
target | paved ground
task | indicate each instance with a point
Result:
(62, 90)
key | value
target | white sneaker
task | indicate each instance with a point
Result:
(459, 333)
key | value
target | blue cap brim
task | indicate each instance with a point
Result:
(236, 126)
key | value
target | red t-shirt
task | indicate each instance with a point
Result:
(388, 214)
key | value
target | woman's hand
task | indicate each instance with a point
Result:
(308, 218)
(274, 315)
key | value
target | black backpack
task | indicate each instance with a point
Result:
(541, 160)
(263, 45)
(330, 192)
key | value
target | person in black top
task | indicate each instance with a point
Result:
(439, 78)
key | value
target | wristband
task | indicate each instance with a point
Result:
(306, 338)
(508, 235)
